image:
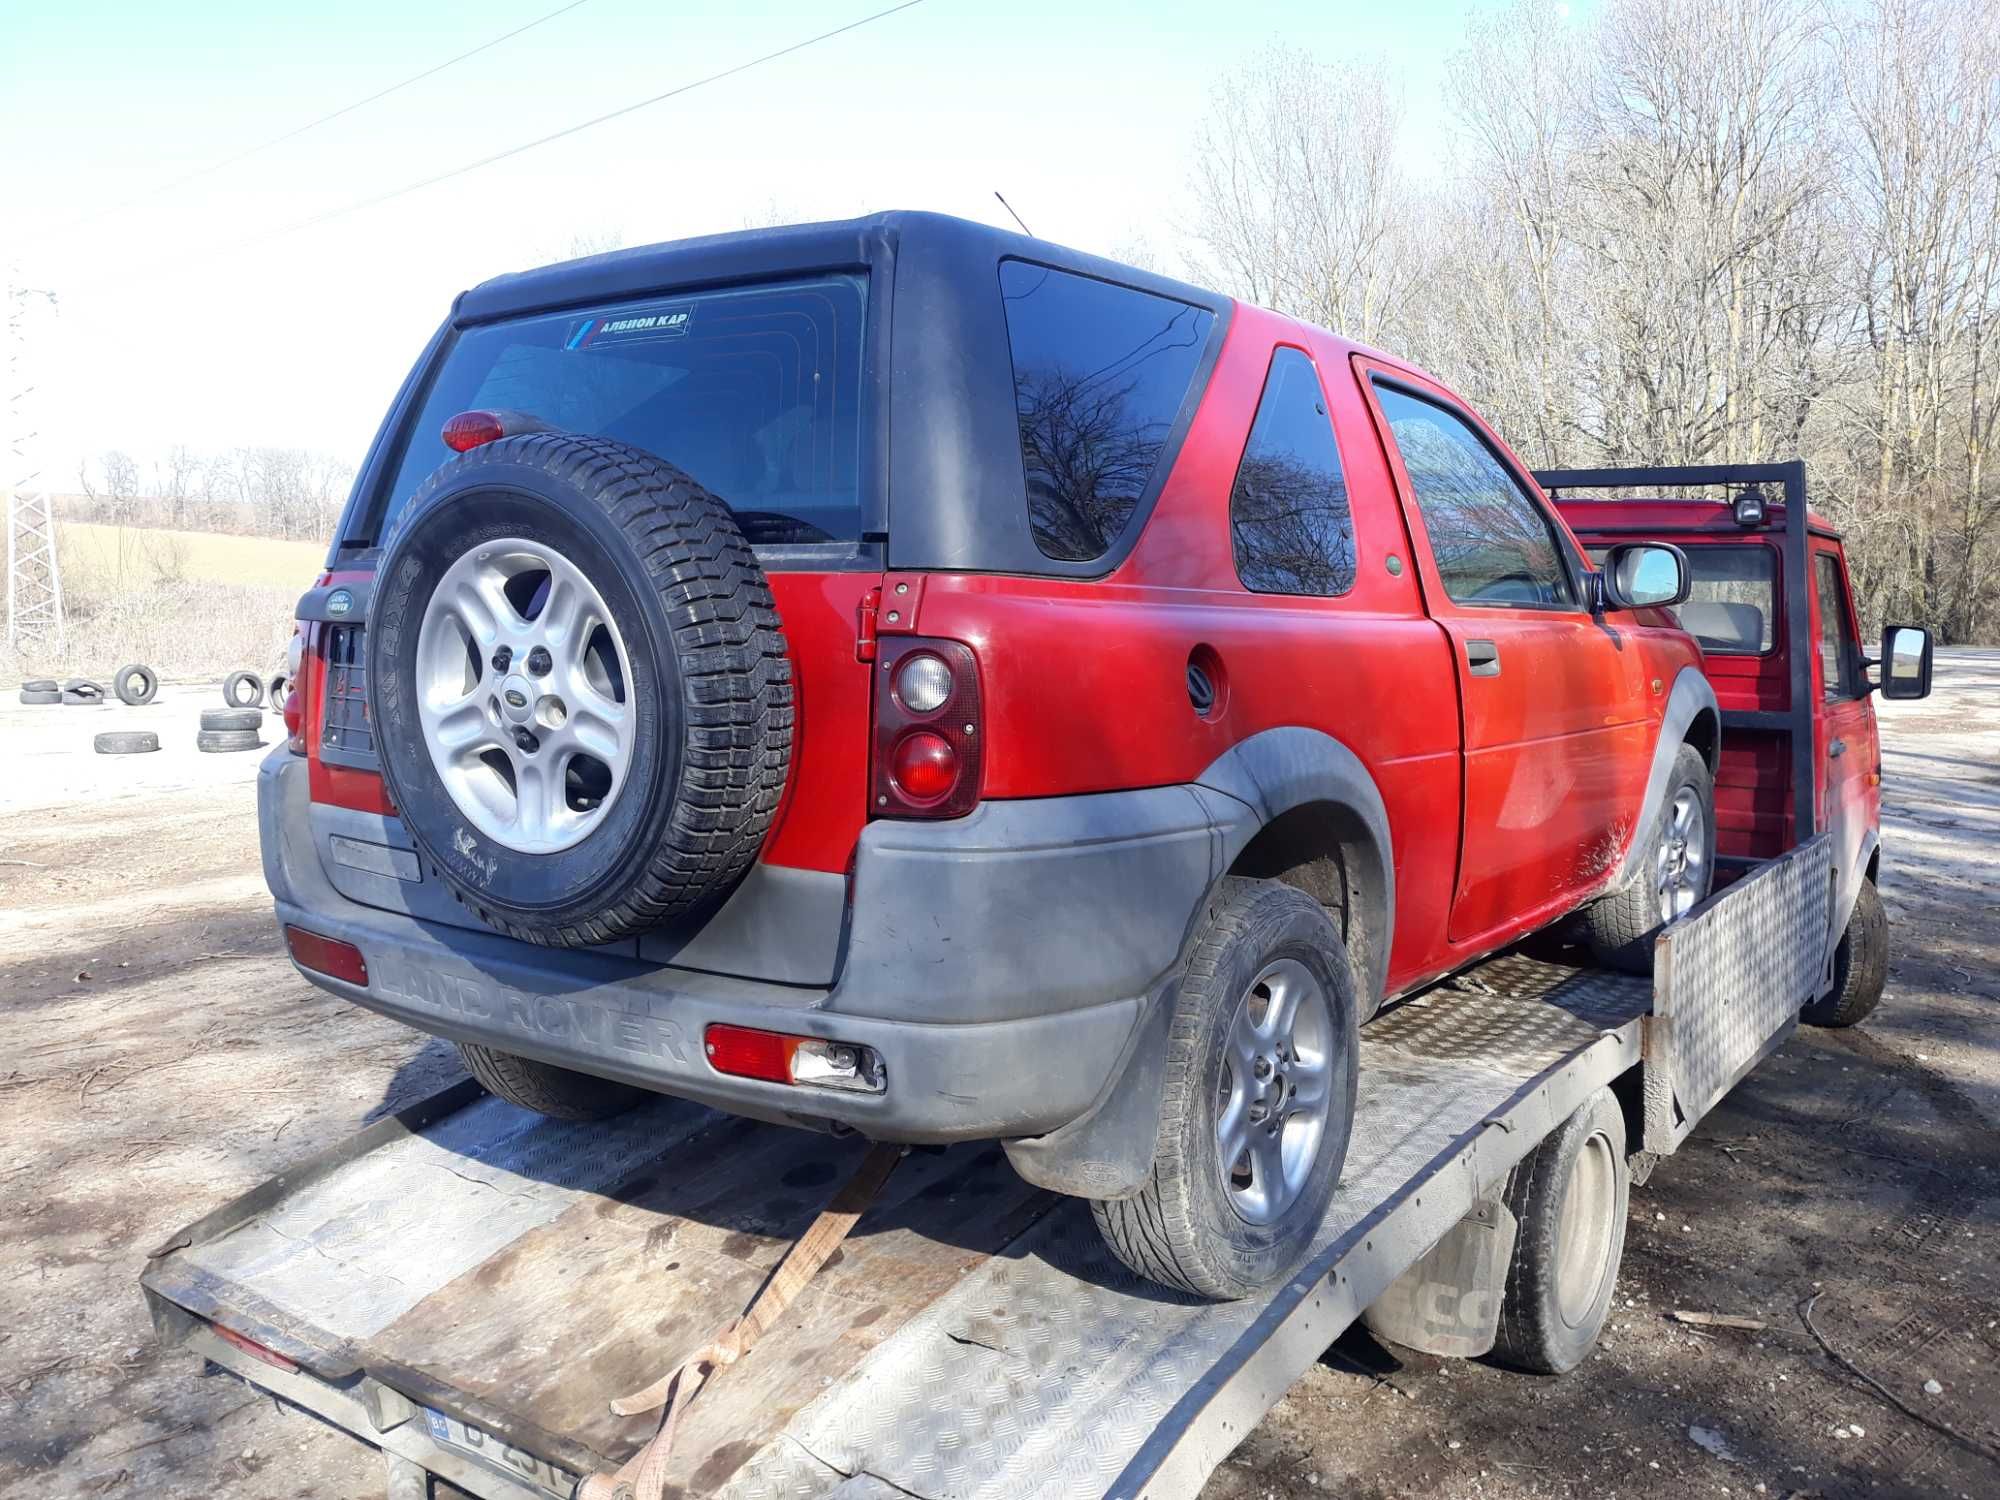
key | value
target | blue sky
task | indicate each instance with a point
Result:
(171, 329)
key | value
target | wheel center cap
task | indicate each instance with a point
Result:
(516, 699)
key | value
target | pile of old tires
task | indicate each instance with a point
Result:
(135, 684)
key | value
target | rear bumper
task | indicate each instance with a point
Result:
(998, 965)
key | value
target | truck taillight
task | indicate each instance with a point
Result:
(928, 736)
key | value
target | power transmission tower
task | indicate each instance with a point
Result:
(34, 574)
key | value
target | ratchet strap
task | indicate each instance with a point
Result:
(644, 1475)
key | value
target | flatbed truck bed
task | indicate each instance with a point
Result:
(467, 1286)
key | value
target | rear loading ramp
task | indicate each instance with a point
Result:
(484, 1281)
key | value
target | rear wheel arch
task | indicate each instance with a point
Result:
(1691, 706)
(1314, 819)
(1704, 732)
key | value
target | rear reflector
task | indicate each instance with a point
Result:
(254, 1349)
(811, 1061)
(325, 955)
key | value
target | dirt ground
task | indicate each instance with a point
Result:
(158, 1055)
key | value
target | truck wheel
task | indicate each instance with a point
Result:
(1860, 965)
(559, 1093)
(1675, 868)
(1257, 1102)
(1569, 1196)
(580, 689)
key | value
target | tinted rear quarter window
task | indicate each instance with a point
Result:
(755, 391)
(1100, 372)
(1288, 513)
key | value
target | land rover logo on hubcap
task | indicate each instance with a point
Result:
(519, 703)
(339, 602)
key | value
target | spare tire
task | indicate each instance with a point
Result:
(579, 686)
(136, 684)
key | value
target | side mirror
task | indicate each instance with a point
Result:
(1645, 575)
(1906, 662)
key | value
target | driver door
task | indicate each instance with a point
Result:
(1554, 712)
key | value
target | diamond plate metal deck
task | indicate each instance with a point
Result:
(1729, 981)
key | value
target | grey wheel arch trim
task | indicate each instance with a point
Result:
(1690, 698)
(1107, 1152)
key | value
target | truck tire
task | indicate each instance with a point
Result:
(546, 585)
(1860, 965)
(40, 695)
(1673, 871)
(126, 742)
(232, 718)
(243, 690)
(41, 685)
(136, 684)
(1568, 1196)
(1243, 1167)
(559, 1093)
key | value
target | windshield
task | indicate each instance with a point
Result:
(755, 391)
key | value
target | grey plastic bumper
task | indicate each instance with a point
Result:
(997, 964)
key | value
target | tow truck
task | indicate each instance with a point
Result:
(468, 1287)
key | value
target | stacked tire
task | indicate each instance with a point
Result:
(225, 729)
(39, 690)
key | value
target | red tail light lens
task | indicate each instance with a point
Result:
(809, 1061)
(325, 955)
(926, 766)
(469, 429)
(929, 737)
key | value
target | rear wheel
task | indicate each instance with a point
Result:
(559, 1093)
(1257, 1102)
(1569, 1197)
(1860, 965)
(1675, 868)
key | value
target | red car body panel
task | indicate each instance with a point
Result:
(1753, 792)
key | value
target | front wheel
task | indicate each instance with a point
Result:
(1257, 1102)
(1675, 869)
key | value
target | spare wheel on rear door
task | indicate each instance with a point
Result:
(581, 696)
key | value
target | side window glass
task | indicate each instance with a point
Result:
(1288, 513)
(1492, 542)
(1100, 372)
(1836, 656)
(1732, 597)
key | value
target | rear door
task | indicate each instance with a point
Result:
(1846, 774)
(1557, 739)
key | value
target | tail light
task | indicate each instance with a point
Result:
(325, 955)
(929, 741)
(810, 1061)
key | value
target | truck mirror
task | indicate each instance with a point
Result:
(1645, 575)
(1906, 661)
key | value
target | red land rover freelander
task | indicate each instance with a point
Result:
(902, 676)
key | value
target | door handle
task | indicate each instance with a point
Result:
(1483, 657)
(1836, 749)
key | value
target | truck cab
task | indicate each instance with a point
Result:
(1772, 606)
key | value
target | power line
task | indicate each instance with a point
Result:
(292, 135)
(567, 131)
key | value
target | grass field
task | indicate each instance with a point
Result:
(98, 559)
(189, 604)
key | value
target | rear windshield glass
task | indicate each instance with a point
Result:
(1732, 593)
(1100, 372)
(755, 391)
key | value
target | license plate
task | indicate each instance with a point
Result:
(489, 1452)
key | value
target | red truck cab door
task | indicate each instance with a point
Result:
(1846, 755)
(1557, 742)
